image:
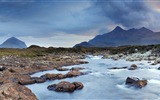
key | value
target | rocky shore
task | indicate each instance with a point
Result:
(15, 73)
(16, 67)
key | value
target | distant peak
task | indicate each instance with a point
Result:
(13, 43)
(12, 38)
(118, 28)
(145, 29)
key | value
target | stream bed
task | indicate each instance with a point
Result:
(104, 83)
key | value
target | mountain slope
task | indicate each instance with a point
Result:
(83, 44)
(13, 43)
(119, 37)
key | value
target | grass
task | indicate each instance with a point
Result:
(36, 51)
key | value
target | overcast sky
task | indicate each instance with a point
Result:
(67, 22)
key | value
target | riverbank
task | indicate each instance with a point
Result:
(15, 73)
(16, 65)
(103, 79)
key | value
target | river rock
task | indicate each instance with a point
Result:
(60, 76)
(25, 79)
(78, 85)
(133, 67)
(62, 87)
(2, 68)
(136, 82)
(49, 76)
(38, 79)
(73, 73)
(14, 91)
(158, 68)
(154, 63)
(77, 68)
(62, 69)
(65, 86)
(53, 76)
(119, 67)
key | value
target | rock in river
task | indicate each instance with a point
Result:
(76, 68)
(62, 69)
(66, 86)
(73, 73)
(118, 67)
(78, 85)
(48, 76)
(136, 82)
(38, 79)
(133, 67)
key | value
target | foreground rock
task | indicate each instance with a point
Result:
(66, 86)
(14, 91)
(136, 82)
(133, 67)
(118, 67)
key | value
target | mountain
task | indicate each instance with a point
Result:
(83, 44)
(120, 37)
(13, 43)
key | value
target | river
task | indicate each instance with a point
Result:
(104, 83)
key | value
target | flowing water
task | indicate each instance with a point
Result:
(104, 83)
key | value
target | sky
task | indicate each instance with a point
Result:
(64, 23)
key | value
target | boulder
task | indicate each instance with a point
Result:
(62, 87)
(76, 68)
(49, 76)
(73, 73)
(2, 68)
(22, 79)
(52, 87)
(78, 85)
(52, 76)
(14, 91)
(62, 69)
(65, 86)
(38, 79)
(155, 62)
(83, 62)
(136, 82)
(25, 80)
(133, 67)
(158, 60)
(119, 67)
(60, 76)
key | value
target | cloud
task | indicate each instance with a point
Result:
(39, 19)
(131, 13)
(58, 40)
(48, 18)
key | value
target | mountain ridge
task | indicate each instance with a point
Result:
(121, 37)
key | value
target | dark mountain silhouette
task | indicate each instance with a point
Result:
(13, 43)
(120, 37)
(83, 44)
